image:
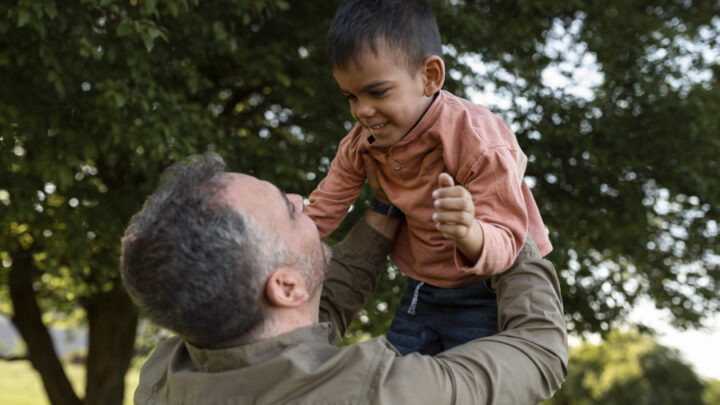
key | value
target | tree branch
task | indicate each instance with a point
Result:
(27, 318)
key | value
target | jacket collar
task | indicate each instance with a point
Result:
(215, 360)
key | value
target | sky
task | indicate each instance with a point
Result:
(700, 348)
(697, 347)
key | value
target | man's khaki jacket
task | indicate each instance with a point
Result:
(523, 364)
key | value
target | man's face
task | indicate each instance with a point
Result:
(282, 215)
(383, 95)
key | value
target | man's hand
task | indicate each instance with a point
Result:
(455, 217)
(371, 174)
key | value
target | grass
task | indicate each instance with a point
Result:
(20, 384)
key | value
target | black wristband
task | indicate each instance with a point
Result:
(386, 209)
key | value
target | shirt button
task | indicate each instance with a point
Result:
(397, 165)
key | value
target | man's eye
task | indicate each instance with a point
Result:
(378, 93)
(291, 207)
(350, 97)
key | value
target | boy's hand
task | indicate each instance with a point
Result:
(455, 217)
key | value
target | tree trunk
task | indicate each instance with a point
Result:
(27, 318)
(112, 321)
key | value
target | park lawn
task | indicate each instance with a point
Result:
(20, 384)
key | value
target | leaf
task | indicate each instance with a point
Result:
(119, 100)
(51, 11)
(148, 40)
(24, 17)
(125, 28)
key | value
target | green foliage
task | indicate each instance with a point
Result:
(711, 396)
(375, 318)
(98, 96)
(628, 368)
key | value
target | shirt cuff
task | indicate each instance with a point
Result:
(493, 259)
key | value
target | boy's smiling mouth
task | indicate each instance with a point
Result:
(378, 126)
(374, 129)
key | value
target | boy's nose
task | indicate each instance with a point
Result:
(364, 110)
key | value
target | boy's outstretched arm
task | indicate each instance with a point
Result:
(455, 217)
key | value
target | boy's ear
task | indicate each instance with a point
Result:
(433, 71)
(286, 288)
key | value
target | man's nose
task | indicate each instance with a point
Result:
(296, 200)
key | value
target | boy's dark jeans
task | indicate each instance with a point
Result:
(443, 317)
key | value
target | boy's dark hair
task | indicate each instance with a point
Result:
(407, 27)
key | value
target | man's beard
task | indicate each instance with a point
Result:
(327, 255)
(316, 266)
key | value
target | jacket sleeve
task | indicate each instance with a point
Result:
(494, 181)
(355, 265)
(330, 201)
(524, 364)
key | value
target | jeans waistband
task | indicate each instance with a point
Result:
(465, 295)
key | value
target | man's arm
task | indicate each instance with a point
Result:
(524, 364)
(353, 270)
(527, 362)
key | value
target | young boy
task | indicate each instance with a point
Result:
(386, 58)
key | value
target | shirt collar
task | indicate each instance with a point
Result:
(215, 360)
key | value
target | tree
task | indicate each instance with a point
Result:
(711, 396)
(98, 96)
(628, 368)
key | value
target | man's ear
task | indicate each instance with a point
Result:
(433, 71)
(286, 287)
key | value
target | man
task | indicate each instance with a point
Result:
(235, 268)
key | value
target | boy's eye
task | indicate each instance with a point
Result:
(377, 93)
(350, 97)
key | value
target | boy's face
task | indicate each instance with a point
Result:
(384, 96)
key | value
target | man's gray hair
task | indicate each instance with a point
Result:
(195, 265)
